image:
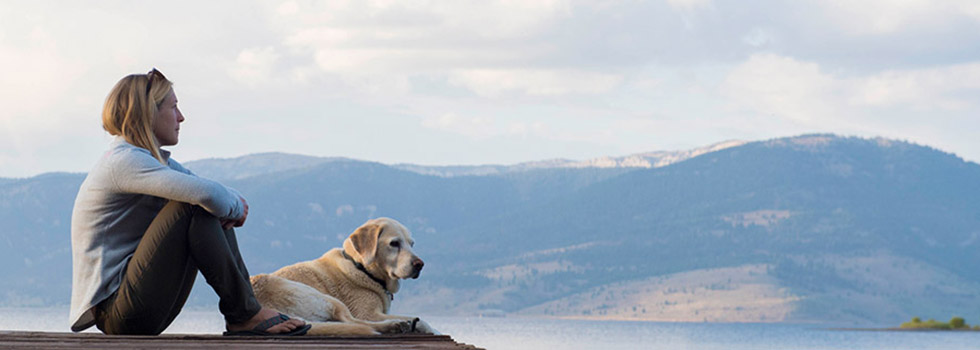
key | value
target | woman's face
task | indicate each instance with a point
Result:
(166, 123)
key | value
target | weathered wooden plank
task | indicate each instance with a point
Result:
(57, 341)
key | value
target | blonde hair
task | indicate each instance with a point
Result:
(131, 106)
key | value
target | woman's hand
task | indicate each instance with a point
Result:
(229, 223)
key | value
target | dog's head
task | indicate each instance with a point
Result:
(387, 244)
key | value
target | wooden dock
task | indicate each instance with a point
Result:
(50, 340)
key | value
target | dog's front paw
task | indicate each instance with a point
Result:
(419, 326)
(395, 326)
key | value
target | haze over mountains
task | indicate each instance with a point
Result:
(815, 228)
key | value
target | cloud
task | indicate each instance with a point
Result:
(888, 16)
(783, 86)
(473, 127)
(564, 78)
(949, 88)
(375, 48)
(690, 5)
(535, 82)
(759, 37)
(35, 76)
(255, 66)
(482, 128)
(414, 35)
(804, 93)
(497, 129)
(420, 38)
(388, 20)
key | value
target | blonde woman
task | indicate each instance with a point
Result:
(143, 225)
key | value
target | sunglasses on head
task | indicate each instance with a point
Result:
(154, 73)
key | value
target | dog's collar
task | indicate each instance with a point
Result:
(363, 269)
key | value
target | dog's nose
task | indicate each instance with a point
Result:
(417, 267)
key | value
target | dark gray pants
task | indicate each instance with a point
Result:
(181, 240)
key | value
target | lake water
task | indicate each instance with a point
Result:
(528, 333)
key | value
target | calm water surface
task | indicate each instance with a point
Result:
(524, 333)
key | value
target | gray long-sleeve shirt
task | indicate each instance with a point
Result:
(115, 205)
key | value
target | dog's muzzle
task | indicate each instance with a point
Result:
(417, 265)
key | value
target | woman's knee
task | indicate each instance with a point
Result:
(179, 219)
(175, 208)
(186, 209)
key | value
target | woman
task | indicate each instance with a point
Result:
(143, 226)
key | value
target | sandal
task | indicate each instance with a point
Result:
(260, 329)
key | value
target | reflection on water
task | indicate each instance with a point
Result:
(511, 333)
(523, 333)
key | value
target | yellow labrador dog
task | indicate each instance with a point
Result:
(349, 290)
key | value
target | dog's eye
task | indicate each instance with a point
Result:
(395, 244)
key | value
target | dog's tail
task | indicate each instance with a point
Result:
(340, 328)
(361, 327)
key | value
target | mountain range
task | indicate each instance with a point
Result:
(812, 228)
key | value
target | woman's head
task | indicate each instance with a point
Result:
(142, 108)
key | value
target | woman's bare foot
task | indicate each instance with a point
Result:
(265, 314)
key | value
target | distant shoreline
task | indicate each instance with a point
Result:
(896, 329)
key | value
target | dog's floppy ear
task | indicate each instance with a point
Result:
(364, 241)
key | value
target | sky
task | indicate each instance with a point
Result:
(489, 82)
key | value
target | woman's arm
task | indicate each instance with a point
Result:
(136, 172)
(226, 223)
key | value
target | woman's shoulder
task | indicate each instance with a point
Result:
(123, 154)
